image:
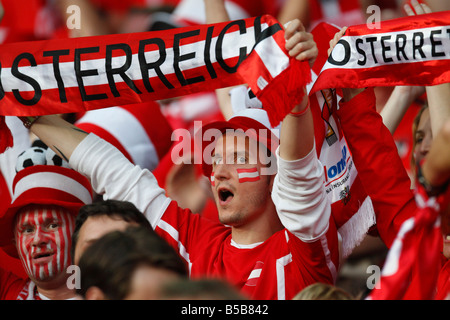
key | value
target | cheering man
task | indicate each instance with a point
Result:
(275, 237)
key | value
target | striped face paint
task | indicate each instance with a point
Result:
(248, 175)
(212, 179)
(43, 239)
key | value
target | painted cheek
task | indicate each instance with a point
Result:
(59, 241)
(248, 175)
(65, 242)
(24, 243)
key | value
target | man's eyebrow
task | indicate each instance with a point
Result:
(238, 153)
(420, 132)
(24, 224)
(50, 220)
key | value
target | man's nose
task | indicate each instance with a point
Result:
(39, 238)
(222, 171)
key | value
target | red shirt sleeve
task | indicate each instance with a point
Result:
(379, 166)
(10, 285)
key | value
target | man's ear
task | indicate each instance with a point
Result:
(94, 293)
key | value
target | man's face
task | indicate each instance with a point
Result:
(94, 228)
(43, 239)
(240, 190)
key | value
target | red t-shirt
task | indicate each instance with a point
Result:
(13, 287)
(443, 285)
(277, 268)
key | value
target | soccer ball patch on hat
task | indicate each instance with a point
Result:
(31, 157)
(39, 154)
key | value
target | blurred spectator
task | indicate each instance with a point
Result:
(128, 265)
(200, 289)
(323, 291)
(96, 219)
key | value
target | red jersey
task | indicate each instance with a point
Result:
(14, 288)
(375, 155)
(277, 268)
(443, 284)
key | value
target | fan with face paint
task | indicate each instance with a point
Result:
(38, 225)
(43, 237)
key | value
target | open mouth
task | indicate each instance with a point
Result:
(225, 196)
(42, 255)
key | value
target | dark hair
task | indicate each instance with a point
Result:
(123, 210)
(109, 263)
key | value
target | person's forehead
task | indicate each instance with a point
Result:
(31, 212)
(236, 141)
(96, 226)
(147, 281)
(233, 135)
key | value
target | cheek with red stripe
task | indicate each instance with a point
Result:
(248, 175)
(43, 240)
(244, 175)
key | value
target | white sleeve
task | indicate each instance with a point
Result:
(300, 198)
(114, 176)
(8, 159)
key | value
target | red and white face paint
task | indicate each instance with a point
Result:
(244, 175)
(213, 183)
(248, 175)
(43, 240)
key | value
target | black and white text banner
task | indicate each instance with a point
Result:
(408, 51)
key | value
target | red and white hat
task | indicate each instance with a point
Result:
(43, 184)
(254, 122)
(139, 131)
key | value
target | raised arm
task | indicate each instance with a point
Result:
(297, 130)
(398, 103)
(436, 168)
(438, 96)
(111, 174)
(58, 134)
(376, 158)
(215, 13)
(298, 193)
(438, 101)
(295, 9)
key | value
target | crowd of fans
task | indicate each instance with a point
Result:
(103, 191)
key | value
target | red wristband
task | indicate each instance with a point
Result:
(300, 113)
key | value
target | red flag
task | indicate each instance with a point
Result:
(413, 263)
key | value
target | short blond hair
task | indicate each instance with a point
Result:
(323, 291)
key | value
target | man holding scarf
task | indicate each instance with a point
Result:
(275, 237)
